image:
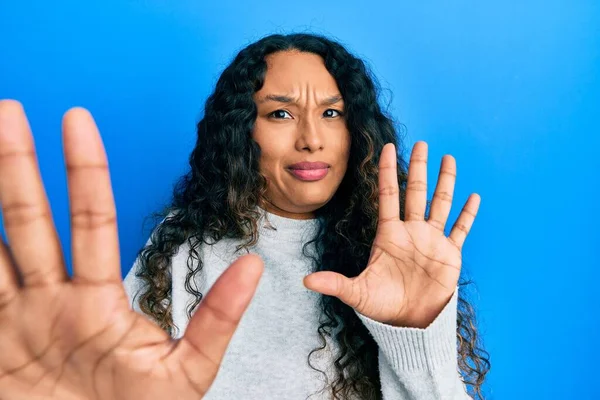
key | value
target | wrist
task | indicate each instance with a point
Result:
(422, 315)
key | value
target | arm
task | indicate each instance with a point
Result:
(419, 364)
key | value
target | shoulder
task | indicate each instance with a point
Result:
(133, 283)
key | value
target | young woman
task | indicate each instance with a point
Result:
(294, 162)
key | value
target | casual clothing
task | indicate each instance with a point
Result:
(267, 357)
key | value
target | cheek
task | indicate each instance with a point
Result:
(345, 155)
(345, 148)
(270, 158)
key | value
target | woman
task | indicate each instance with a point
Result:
(295, 162)
(283, 100)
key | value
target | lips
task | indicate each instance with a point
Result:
(309, 165)
(309, 171)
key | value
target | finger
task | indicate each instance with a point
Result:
(27, 217)
(416, 187)
(389, 200)
(334, 284)
(214, 323)
(463, 224)
(94, 242)
(8, 277)
(444, 191)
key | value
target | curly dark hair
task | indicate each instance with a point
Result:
(218, 198)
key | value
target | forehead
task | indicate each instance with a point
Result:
(294, 72)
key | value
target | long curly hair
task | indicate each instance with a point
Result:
(218, 198)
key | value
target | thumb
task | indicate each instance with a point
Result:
(334, 284)
(214, 323)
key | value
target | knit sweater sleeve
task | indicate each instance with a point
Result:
(419, 364)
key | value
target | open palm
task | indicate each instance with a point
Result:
(76, 337)
(414, 267)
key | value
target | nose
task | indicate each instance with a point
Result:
(309, 136)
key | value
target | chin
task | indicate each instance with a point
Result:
(310, 203)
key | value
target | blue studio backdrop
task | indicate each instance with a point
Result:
(510, 88)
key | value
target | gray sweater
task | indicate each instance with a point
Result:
(268, 354)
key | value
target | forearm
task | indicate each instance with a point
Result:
(419, 364)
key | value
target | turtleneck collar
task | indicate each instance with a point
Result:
(286, 229)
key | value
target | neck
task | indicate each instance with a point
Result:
(273, 209)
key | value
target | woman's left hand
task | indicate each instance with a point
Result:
(414, 267)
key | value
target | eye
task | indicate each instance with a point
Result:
(278, 113)
(331, 109)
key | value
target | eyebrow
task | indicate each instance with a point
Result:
(289, 100)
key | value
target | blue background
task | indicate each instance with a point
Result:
(511, 89)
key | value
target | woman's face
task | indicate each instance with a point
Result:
(300, 118)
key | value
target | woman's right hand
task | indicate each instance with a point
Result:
(75, 337)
